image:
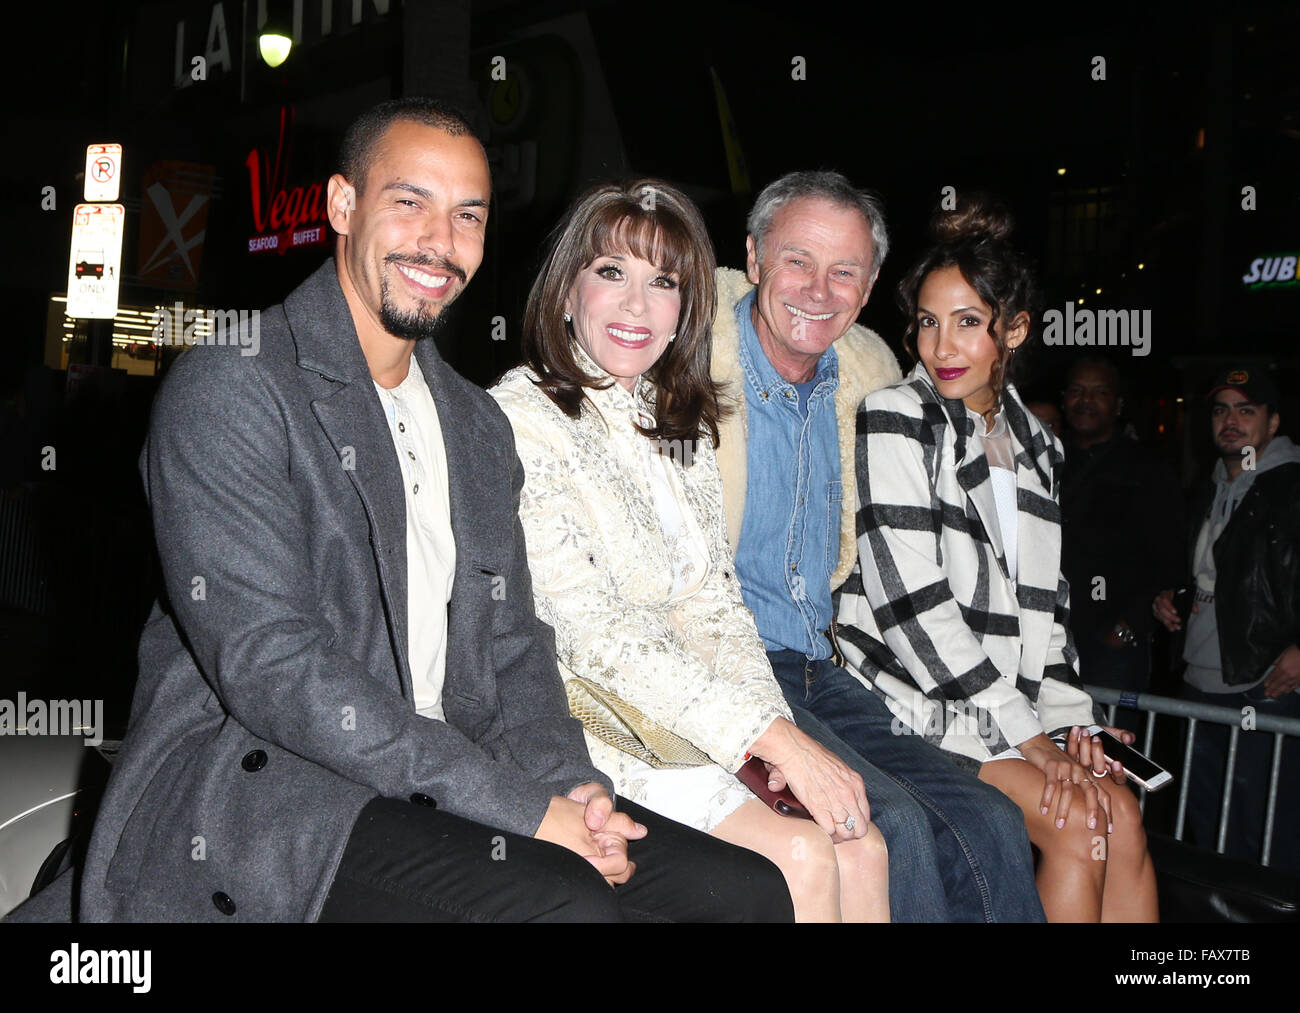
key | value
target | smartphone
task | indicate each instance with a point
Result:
(1183, 604)
(1141, 768)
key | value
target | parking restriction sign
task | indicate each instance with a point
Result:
(103, 171)
(95, 265)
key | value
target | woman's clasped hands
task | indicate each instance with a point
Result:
(1077, 770)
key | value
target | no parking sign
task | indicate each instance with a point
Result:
(103, 171)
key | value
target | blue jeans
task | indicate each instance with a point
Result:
(958, 849)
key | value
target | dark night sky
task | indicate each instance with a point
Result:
(905, 98)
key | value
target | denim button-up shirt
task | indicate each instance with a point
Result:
(790, 537)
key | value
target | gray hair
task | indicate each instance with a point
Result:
(830, 186)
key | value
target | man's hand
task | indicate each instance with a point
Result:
(1285, 676)
(825, 785)
(585, 822)
(1163, 609)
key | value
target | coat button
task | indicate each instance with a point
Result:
(223, 903)
(420, 798)
(254, 761)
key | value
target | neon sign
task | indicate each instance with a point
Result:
(1273, 272)
(292, 217)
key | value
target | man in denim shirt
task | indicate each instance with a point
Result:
(795, 366)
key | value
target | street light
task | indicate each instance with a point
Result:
(275, 37)
(274, 41)
(274, 46)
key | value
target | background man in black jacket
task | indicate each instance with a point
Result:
(1241, 646)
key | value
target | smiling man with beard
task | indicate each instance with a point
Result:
(359, 717)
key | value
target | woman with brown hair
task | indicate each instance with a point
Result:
(960, 617)
(615, 421)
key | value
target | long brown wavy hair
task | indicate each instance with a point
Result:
(651, 220)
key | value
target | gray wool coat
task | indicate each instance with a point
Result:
(274, 696)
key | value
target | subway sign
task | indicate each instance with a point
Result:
(1279, 271)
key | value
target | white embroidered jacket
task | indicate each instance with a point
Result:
(603, 572)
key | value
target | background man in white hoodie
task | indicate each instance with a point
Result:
(1241, 645)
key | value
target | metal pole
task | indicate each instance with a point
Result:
(1187, 779)
(1273, 775)
(1233, 736)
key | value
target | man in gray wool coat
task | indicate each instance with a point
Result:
(346, 708)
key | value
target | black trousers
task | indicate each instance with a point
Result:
(409, 863)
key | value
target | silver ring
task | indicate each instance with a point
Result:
(850, 823)
(1102, 774)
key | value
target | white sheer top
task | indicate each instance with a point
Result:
(1002, 475)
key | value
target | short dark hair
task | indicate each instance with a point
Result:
(659, 224)
(1097, 362)
(358, 148)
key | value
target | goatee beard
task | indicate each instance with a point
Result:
(414, 325)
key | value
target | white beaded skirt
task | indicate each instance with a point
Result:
(699, 797)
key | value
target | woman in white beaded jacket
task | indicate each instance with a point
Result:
(615, 421)
(959, 612)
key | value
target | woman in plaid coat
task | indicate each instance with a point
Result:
(957, 613)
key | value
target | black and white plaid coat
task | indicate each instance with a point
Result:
(930, 618)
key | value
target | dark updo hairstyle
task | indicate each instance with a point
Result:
(656, 222)
(974, 238)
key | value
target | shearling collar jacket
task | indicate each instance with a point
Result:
(932, 620)
(865, 364)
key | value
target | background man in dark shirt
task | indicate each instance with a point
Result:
(1121, 520)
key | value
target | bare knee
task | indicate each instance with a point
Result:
(1075, 842)
(865, 857)
(812, 868)
(1129, 836)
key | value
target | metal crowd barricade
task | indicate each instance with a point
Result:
(1279, 727)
